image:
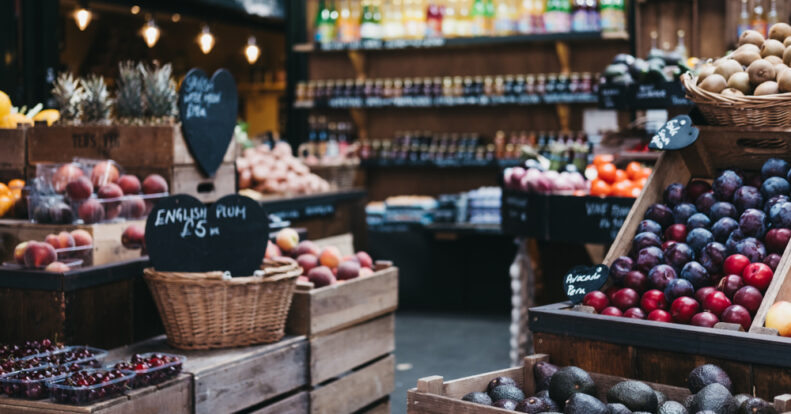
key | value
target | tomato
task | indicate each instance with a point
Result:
(601, 159)
(606, 172)
(620, 175)
(634, 170)
(599, 188)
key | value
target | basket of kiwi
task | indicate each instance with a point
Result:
(751, 86)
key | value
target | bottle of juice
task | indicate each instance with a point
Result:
(537, 16)
(503, 23)
(744, 19)
(771, 17)
(346, 26)
(478, 18)
(449, 18)
(557, 18)
(490, 14)
(523, 25)
(758, 21)
(463, 18)
(367, 24)
(593, 15)
(579, 16)
(433, 19)
(325, 24)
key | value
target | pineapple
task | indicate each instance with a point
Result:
(159, 92)
(68, 94)
(129, 99)
(96, 104)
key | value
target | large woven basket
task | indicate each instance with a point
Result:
(746, 111)
(210, 310)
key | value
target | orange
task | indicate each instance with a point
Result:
(640, 182)
(636, 191)
(622, 188)
(600, 188)
(634, 170)
(602, 159)
(647, 172)
(4, 190)
(16, 193)
(620, 175)
(16, 183)
(607, 172)
(6, 203)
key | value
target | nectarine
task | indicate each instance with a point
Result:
(52, 240)
(19, 252)
(112, 209)
(307, 262)
(38, 255)
(129, 184)
(365, 259)
(133, 237)
(155, 184)
(103, 173)
(79, 189)
(81, 237)
(348, 270)
(287, 239)
(779, 317)
(330, 257)
(65, 240)
(321, 276)
(65, 174)
(57, 267)
(91, 211)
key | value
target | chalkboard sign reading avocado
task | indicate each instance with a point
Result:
(184, 235)
(676, 133)
(208, 109)
(583, 279)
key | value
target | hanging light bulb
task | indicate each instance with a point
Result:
(175, 17)
(206, 40)
(135, 9)
(150, 33)
(83, 18)
(252, 52)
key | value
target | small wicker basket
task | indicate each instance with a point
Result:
(210, 310)
(746, 111)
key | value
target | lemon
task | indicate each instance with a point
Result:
(17, 119)
(49, 115)
(5, 104)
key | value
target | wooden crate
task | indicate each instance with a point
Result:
(379, 407)
(435, 396)
(171, 397)
(355, 390)
(12, 156)
(107, 246)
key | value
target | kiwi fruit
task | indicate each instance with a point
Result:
(740, 81)
(713, 83)
(727, 68)
(780, 31)
(706, 70)
(784, 81)
(773, 59)
(760, 71)
(766, 88)
(779, 69)
(745, 57)
(731, 92)
(772, 47)
(748, 47)
(787, 56)
(787, 42)
(751, 36)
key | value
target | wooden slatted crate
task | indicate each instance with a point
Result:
(355, 390)
(13, 145)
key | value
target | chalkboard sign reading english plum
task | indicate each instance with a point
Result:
(583, 279)
(184, 235)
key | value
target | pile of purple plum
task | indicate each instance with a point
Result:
(707, 253)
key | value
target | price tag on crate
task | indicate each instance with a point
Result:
(185, 235)
(583, 279)
(676, 133)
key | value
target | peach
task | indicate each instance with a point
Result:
(349, 257)
(287, 239)
(306, 247)
(65, 174)
(321, 276)
(91, 211)
(330, 257)
(779, 317)
(155, 184)
(348, 270)
(57, 267)
(307, 261)
(38, 254)
(112, 209)
(129, 184)
(133, 237)
(19, 252)
(79, 189)
(365, 259)
(103, 173)
(52, 240)
(81, 237)
(366, 271)
(272, 250)
(133, 207)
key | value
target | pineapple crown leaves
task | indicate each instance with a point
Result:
(159, 90)
(68, 94)
(96, 104)
(129, 99)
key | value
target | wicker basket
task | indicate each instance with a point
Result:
(208, 310)
(746, 111)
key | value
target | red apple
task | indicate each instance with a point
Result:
(634, 313)
(597, 300)
(652, 300)
(676, 232)
(749, 297)
(625, 298)
(129, 184)
(716, 303)
(611, 291)
(730, 284)
(683, 309)
(659, 315)
(636, 280)
(701, 294)
(706, 319)
(737, 314)
(735, 264)
(758, 275)
(611, 311)
(777, 239)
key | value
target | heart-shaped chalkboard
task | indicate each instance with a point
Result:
(583, 279)
(184, 235)
(676, 133)
(208, 109)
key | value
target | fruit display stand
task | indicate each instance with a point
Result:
(12, 158)
(343, 378)
(435, 396)
(141, 150)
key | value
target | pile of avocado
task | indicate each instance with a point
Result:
(571, 390)
(659, 67)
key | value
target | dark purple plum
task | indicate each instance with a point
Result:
(772, 260)
(661, 275)
(735, 237)
(649, 257)
(723, 227)
(677, 288)
(674, 194)
(678, 254)
(747, 197)
(696, 274)
(753, 179)
(620, 267)
(650, 226)
(775, 186)
(780, 215)
(722, 209)
(705, 201)
(698, 221)
(683, 211)
(752, 248)
(696, 188)
(713, 256)
(697, 239)
(726, 184)
(660, 213)
(774, 200)
(752, 223)
(774, 167)
(636, 280)
(645, 239)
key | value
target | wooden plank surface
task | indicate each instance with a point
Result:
(341, 351)
(188, 179)
(593, 356)
(13, 155)
(356, 390)
(344, 243)
(298, 403)
(382, 407)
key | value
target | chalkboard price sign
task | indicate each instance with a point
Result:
(208, 110)
(677, 133)
(583, 279)
(184, 235)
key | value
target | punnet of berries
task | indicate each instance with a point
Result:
(152, 368)
(90, 385)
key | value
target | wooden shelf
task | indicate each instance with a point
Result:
(444, 102)
(460, 42)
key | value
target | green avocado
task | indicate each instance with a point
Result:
(714, 397)
(672, 407)
(507, 392)
(757, 406)
(580, 403)
(568, 381)
(705, 375)
(478, 398)
(635, 395)
(660, 398)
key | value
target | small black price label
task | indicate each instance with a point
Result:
(676, 133)
(583, 279)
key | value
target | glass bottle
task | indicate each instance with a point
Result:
(478, 18)
(744, 19)
(771, 17)
(681, 48)
(490, 14)
(503, 24)
(523, 24)
(579, 16)
(346, 27)
(433, 19)
(593, 15)
(449, 18)
(393, 20)
(538, 25)
(324, 24)
(463, 19)
(758, 19)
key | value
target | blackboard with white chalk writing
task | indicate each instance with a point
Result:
(583, 279)
(208, 110)
(676, 133)
(184, 235)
